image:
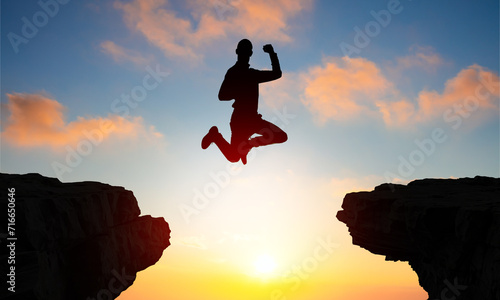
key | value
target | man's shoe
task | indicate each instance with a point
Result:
(209, 138)
(244, 152)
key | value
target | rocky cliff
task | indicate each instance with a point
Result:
(81, 240)
(447, 229)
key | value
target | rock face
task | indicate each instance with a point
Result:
(448, 230)
(81, 240)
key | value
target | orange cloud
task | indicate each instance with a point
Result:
(343, 88)
(420, 57)
(38, 121)
(120, 54)
(185, 37)
(396, 113)
(474, 90)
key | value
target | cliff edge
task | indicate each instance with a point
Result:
(82, 240)
(447, 229)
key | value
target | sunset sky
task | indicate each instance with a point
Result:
(122, 92)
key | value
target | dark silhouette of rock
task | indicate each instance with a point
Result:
(447, 229)
(82, 240)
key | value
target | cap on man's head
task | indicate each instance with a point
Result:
(244, 48)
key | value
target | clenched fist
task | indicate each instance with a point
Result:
(268, 48)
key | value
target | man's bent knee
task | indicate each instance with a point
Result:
(281, 137)
(233, 157)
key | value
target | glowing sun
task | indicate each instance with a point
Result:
(264, 265)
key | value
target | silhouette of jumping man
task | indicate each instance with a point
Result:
(241, 83)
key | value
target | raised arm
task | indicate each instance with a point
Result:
(275, 73)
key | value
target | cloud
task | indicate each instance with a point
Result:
(37, 121)
(181, 35)
(343, 88)
(397, 113)
(348, 89)
(420, 57)
(473, 90)
(120, 54)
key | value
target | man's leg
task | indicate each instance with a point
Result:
(269, 134)
(240, 135)
(213, 136)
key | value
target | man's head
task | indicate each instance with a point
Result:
(244, 48)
